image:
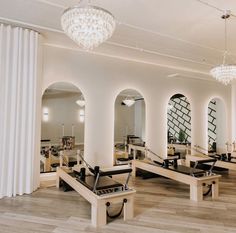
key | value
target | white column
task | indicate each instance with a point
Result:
(233, 110)
(19, 101)
(156, 123)
(199, 123)
(99, 125)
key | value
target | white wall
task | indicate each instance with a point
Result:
(233, 106)
(101, 79)
(62, 109)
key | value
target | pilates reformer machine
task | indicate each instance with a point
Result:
(224, 160)
(197, 179)
(99, 188)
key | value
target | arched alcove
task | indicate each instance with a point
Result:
(178, 124)
(62, 125)
(217, 125)
(130, 123)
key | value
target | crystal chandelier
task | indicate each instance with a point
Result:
(88, 25)
(129, 101)
(224, 73)
(81, 101)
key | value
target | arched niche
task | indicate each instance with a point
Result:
(178, 124)
(130, 123)
(217, 135)
(62, 124)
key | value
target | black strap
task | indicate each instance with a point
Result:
(208, 191)
(119, 213)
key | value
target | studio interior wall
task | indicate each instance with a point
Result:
(101, 79)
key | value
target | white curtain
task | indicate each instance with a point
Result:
(19, 101)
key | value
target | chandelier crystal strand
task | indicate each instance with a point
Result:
(88, 26)
(224, 73)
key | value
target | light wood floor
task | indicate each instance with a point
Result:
(161, 205)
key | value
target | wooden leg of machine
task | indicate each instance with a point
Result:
(129, 209)
(187, 162)
(133, 170)
(99, 214)
(58, 182)
(215, 190)
(196, 193)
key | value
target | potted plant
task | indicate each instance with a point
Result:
(182, 136)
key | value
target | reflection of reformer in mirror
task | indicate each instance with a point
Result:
(169, 167)
(99, 188)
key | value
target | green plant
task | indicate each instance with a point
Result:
(182, 136)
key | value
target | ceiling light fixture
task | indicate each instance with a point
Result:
(81, 101)
(224, 73)
(129, 101)
(88, 25)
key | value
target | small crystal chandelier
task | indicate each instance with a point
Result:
(81, 101)
(129, 101)
(88, 25)
(224, 73)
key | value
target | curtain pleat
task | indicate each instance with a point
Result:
(18, 108)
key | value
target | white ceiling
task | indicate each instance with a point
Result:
(183, 36)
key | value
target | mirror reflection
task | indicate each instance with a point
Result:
(178, 125)
(216, 126)
(62, 128)
(129, 133)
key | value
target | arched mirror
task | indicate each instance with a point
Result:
(62, 128)
(129, 128)
(216, 126)
(178, 125)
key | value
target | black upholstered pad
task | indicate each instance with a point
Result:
(187, 170)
